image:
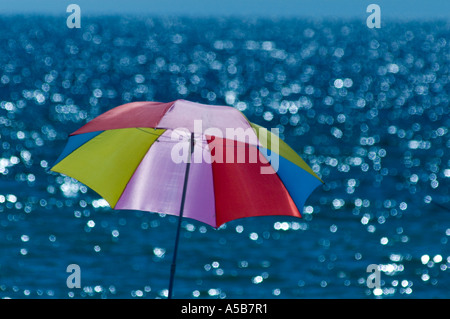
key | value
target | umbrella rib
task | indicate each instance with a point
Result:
(213, 188)
(150, 133)
(57, 162)
(282, 183)
(137, 166)
(287, 190)
(142, 130)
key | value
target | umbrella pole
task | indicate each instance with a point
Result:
(183, 198)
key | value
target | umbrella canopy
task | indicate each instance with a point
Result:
(136, 157)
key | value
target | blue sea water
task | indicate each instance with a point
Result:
(368, 109)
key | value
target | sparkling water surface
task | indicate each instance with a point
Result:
(368, 109)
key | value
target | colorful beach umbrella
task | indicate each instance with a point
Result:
(205, 162)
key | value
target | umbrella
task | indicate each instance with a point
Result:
(205, 162)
